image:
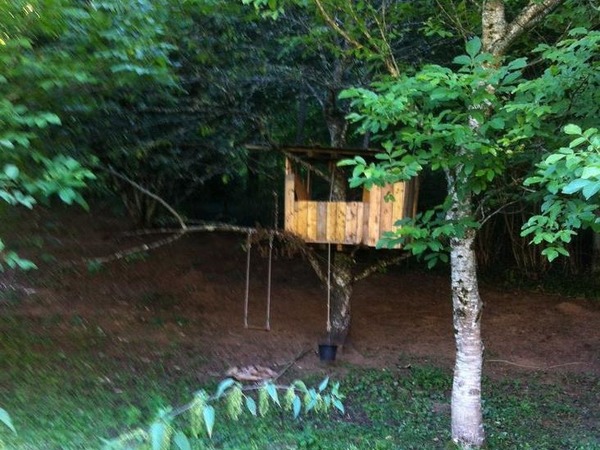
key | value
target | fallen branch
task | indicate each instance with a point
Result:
(145, 191)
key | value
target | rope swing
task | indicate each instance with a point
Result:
(329, 263)
(267, 326)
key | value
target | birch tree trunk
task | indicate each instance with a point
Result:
(467, 418)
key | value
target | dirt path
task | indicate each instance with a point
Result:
(187, 299)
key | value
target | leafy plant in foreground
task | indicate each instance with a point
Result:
(570, 178)
(201, 413)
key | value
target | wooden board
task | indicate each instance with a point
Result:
(398, 210)
(365, 223)
(321, 221)
(348, 223)
(331, 219)
(386, 218)
(289, 201)
(374, 212)
(301, 219)
(353, 233)
(340, 222)
(311, 221)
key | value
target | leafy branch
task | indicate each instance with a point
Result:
(201, 413)
(570, 179)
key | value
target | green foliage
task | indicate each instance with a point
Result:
(161, 434)
(384, 409)
(570, 180)
(6, 420)
(448, 120)
(474, 124)
(30, 169)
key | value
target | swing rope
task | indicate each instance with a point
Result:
(271, 236)
(248, 250)
(267, 326)
(329, 288)
(329, 262)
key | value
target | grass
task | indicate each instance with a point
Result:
(68, 396)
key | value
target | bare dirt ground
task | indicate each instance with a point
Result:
(187, 300)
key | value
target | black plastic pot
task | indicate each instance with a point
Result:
(327, 352)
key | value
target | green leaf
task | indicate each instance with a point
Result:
(553, 159)
(590, 172)
(209, 419)
(462, 60)
(223, 386)
(272, 391)
(323, 384)
(473, 47)
(550, 253)
(517, 64)
(158, 433)
(297, 406)
(497, 123)
(67, 195)
(338, 405)
(5, 419)
(251, 405)
(590, 190)
(11, 171)
(25, 264)
(181, 441)
(575, 186)
(6, 143)
(572, 129)
(580, 140)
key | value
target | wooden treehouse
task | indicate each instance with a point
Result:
(359, 221)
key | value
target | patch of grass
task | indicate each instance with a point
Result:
(66, 394)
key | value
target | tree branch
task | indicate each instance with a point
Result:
(531, 14)
(150, 194)
(331, 22)
(380, 265)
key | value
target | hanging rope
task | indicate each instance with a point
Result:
(329, 288)
(248, 250)
(329, 261)
(271, 237)
(267, 326)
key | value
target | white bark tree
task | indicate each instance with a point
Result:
(467, 419)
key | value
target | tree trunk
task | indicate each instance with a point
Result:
(342, 282)
(467, 419)
(342, 273)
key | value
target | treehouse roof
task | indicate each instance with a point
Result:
(317, 152)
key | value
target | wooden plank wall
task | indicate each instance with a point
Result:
(349, 222)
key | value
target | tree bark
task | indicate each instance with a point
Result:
(498, 34)
(342, 267)
(342, 284)
(467, 418)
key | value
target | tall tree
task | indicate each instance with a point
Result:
(473, 124)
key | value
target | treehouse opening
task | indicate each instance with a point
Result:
(361, 218)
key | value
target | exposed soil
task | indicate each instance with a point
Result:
(186, 300)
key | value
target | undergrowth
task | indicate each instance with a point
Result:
(68, 397)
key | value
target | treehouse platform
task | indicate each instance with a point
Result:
(361, 220)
